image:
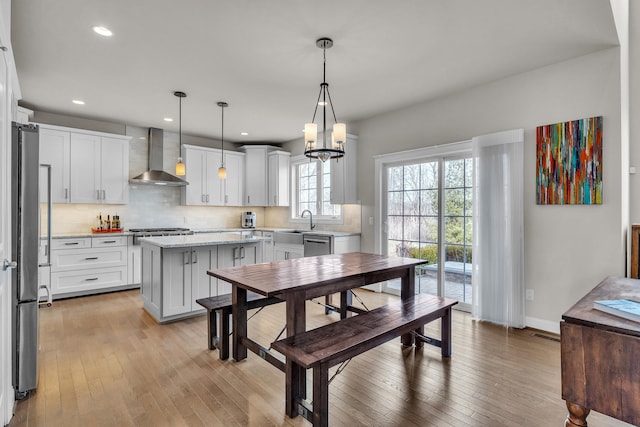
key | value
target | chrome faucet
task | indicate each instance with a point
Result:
(311, 226)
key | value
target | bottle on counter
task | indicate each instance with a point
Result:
(101, 226)
(108, 224)
(97, 222)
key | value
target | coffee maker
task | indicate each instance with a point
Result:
(248, 220)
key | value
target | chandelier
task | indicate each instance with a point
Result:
(333, 148)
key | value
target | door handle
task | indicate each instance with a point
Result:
(6, 264)
(194, 257)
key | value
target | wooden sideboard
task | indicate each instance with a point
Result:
(600, 356)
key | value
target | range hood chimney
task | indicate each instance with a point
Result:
(155, 175)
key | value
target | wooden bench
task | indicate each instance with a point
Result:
(221, 304)
(334, 343)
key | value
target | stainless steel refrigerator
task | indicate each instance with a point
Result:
(26, 239)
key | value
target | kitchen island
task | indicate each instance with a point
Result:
(174, 270)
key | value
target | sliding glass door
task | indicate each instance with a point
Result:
(427, 215)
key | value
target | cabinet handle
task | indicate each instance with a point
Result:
(71, 243)
(207, 198)
(235, 255)
(194, 257)
(185, 260)
(275, 200)
(202, 198)
(104, 194)
(109, 241)
(226, 199)
(98, 194)
(242, 252)
(91, 258)
(91, 279)
(248, 199)
(66, 193)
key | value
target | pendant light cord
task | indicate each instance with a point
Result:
(222, 106)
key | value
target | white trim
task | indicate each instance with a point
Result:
(542, 324)
(382, 160)
(499, 138)
(295, 193)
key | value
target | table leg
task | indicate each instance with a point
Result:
(346, 300)
(239, 319)
(407, 290)
(296, 379)
(445, 333)
(577, 415)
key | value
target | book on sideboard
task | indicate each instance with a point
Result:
(625, 308)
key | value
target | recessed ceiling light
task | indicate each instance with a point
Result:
(78, 102)
(168, 119)
(103, 31)
(244, 133)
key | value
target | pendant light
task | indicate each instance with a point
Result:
(222, 171)
(334, 148)
(180, 169)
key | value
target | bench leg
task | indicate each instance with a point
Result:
(445, 328)
(321, 395)
(239, 318)
(223, 340)
(212, 330)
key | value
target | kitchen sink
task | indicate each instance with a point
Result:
(293, 237)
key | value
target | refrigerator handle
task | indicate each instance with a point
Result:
(48, 264)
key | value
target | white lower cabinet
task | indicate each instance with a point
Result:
(282, 251)
(174, 278)
(234, 255)
(267, 247)
(87, 265)
(134, 261)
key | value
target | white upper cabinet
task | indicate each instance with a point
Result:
(234, 184)
(256, 175)
(114, 168)
(86, 167)
(278, 167)
(55, 151)
(205, 188)
(267, 176)
(344, 175)
(201, 174)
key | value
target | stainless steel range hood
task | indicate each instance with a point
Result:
(155, 175)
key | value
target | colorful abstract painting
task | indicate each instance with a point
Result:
(569, 163)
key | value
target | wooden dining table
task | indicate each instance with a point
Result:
(297, 280)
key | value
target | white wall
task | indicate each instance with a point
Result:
(568, 249)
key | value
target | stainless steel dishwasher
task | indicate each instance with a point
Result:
(317, 244)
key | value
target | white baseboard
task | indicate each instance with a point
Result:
(543, 325)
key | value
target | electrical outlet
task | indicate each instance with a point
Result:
(529, 294)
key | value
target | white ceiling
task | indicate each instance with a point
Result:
(261, 57)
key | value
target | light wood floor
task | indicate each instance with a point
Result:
(105, 362)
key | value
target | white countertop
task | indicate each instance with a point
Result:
(201, 239)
